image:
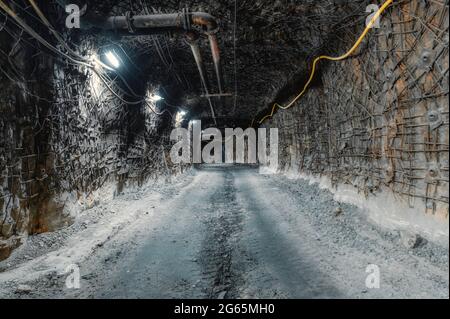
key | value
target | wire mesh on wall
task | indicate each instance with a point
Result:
(380, 120)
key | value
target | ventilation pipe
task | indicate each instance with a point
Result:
(183, 22)
(192, 39)
(174, 22)
(154, 23)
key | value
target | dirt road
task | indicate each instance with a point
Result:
(229, 232)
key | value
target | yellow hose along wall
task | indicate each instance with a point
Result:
(369, 26)
(380, 120)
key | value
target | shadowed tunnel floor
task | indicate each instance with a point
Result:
(214, 235)
(230, 232)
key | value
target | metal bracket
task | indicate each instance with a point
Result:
(186, 19)
(434, 119)
(129, 16)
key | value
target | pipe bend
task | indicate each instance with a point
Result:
(205, 20)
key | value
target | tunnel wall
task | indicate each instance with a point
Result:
(375, 129)
(65, 140)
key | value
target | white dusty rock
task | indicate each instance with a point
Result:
(24, 289)
(410, 240)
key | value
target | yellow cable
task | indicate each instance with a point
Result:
(325, 57)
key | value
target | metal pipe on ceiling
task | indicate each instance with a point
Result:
(216, 58)
(153, 23)
(175, 22)
(185, 21)
(192, 39)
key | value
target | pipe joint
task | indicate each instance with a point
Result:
(205, 20)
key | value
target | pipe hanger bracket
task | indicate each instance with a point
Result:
(129, 17)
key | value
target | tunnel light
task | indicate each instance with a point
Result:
(112, 59)
(155, 97)
(180, 117)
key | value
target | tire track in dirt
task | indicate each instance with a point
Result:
(220, 252)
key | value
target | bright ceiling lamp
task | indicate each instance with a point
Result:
(112, 59)
(180, 117)
(155, 97)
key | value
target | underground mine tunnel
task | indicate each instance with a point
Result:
(239, 149)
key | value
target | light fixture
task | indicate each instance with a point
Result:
(155, 97)
(180, 117)
(112, 59)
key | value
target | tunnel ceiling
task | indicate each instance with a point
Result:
(265, 47)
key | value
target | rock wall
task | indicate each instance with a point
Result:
(379, 122)
(64, 135)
